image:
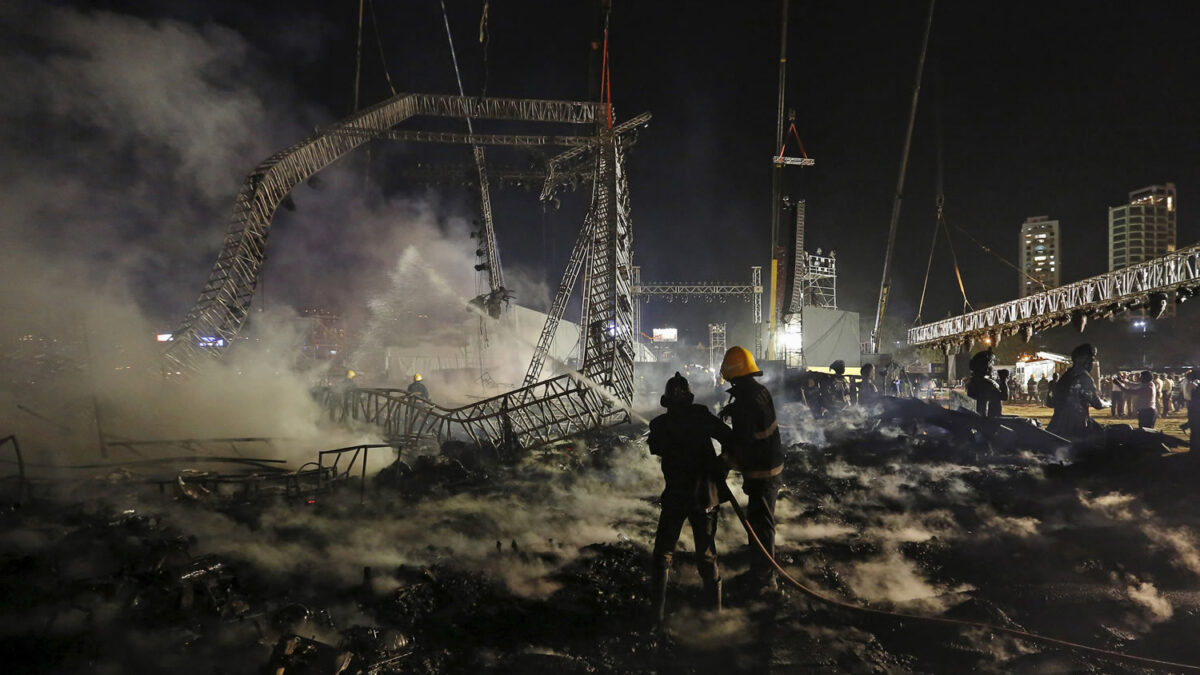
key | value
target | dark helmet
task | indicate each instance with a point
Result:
(677, 392)
(982, 362)
(1083, 351)
(838, 367)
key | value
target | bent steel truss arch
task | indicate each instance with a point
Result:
(219, 313)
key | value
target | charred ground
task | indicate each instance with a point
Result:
(540, 565)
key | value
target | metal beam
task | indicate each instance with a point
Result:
(517, 140)
(521, 109)
(705, 289)
(1112, 292)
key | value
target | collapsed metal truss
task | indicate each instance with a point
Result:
(537, 413)
(1099, 296)
(542, 413)
(608, 298)
(579, 254)
(224, 303)
(597, 254)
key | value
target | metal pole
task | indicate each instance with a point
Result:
(777, 171)
(886, 282)
(777, 175)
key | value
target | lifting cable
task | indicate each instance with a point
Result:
(605, 75)
(940, 223)
(358, 54)
(800, 143)
(485, 39)
(379, 43)
(1001, 258)
(1106, 654)
(954, 258)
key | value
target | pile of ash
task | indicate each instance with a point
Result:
(463, 561)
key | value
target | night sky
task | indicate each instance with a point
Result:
(1055, 108)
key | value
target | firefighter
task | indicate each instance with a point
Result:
(417, 388)
(983, 387)
(758, 453)
(682, 437)
(837, 393)
(1072, 395)
(868, 391)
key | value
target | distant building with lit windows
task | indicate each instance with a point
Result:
(1040, 267)
(1144, 228)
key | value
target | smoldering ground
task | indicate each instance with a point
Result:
(545, 561)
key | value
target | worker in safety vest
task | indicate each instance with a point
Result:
(417, 388)
(758, 454)
(682, 437)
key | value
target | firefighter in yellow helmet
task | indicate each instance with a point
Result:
(417, 388)
(758, 454)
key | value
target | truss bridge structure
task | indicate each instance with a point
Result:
(597, 395)
(1148, 285)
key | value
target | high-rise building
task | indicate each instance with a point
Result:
(1040, 266)
(1144, 228)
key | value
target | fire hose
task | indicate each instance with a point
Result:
(1106, 654)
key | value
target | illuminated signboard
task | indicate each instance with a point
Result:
(665, 334)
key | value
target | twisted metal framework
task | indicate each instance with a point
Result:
(608, 317)
(1101, 295)
(584, 251)
(224, 303)
(538, 413)
(543, 413)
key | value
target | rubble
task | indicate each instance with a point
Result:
(460, 562)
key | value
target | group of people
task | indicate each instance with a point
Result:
(832, 392)
(1071, 394)
(695, 474)
(1147, 395)
(1034, 390)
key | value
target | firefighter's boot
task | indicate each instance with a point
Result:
(658, 594)
(712, 595)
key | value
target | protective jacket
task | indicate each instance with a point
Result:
(1072, 395)
(759, 451)
(418, 389)
(682, 436)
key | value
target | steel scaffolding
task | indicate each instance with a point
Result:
(818, 285)
(716, 346)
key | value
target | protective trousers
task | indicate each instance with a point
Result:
(760, 511)
(704, 531)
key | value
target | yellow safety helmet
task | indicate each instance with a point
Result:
(417, 377)
(737, 363)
